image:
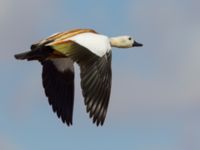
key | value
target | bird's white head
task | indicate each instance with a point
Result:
(124, 42)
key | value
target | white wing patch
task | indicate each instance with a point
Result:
(97, 44)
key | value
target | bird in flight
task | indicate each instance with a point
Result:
(92, 52)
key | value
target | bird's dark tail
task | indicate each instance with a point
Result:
(30, 55)
(23, 56)
(37, 54)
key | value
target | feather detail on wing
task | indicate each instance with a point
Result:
(95, 77)
(96, 87)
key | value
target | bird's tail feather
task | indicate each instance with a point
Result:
(31, 55)
(24, 55)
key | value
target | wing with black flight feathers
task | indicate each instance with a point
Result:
(95, 77)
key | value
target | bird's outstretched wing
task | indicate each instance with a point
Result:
(59, 87)
(95, 77)
(96, 87)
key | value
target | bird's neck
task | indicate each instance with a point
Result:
(116, 42)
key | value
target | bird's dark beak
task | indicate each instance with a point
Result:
(136, 44)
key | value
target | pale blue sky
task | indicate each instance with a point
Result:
(155, 100)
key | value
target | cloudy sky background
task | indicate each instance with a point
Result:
(155, 100)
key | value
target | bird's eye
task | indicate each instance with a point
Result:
(130, 38)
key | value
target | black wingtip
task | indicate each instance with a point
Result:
(99, 123)
(69, 124)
